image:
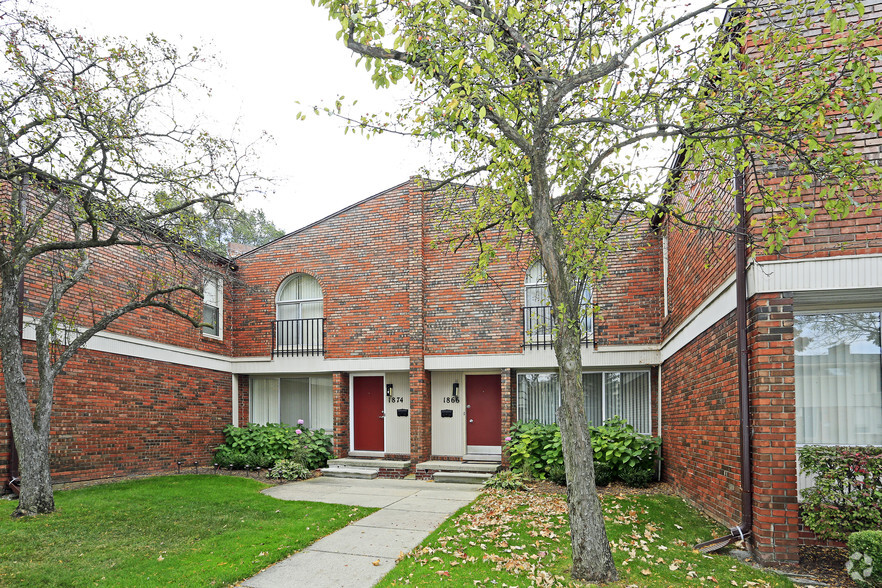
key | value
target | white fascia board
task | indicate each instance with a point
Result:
(317, 364)
(532, 359)
(851, 272)
(829, 273)
(109, 342)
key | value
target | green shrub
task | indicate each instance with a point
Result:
(637, 477)
(273, 440)
(226, 457)
(535, 450)
(264, 445)
(506, 480)
(847, 493)
(318, 447)
(617, 444)
(290, 469)
(864, 565)
(603, 473)
(558, 474)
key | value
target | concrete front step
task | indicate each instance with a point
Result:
(459, 466)
(359, 462)
(351, 472)
(461, 477)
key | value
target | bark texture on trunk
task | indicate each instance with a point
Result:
(30, 429)
(592, 555)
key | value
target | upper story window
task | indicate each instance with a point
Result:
(299, 297)
(538, 316)
(536, 286)
(299, 322)
(212, 308)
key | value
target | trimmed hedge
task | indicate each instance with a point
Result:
(847, 495)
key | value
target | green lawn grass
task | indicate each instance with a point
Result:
(172, 530)
(521, 539)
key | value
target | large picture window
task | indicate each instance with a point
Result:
(838, 378)
(607, 394)
(290, 400)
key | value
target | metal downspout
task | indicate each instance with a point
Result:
(743, 530)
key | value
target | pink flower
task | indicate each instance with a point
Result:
(508, 438)
(299, 421)
(298, 431)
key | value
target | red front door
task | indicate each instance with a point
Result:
(367, 413)
(484, 410)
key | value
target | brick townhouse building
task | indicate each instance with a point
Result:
(362, 324)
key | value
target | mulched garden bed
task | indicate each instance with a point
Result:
(825, 563)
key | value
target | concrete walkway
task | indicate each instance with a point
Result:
(410, 511)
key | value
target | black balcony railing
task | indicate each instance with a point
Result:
(539, 326)
(296, 337)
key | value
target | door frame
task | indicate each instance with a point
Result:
(352, 451)
(480, 449)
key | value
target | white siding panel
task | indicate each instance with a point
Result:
(448, 434)
(833, 273)
(398, 428)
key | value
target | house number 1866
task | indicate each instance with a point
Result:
(451, 400)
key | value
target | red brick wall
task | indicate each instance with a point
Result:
(630, 298)
(856, 234)
(360, 256)
(116, 276)
(773, 425)
(699, 261)
(386, 272)
(115, 415)
(469, 318)
(340, 383)
(243, 408)
(824, 236)
(700, 422)
(420, 411)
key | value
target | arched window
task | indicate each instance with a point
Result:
(536, 286)
(299, 314)
(537, 308)
(538, 318)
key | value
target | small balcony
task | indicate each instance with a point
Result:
(539, 326)
(298, 337)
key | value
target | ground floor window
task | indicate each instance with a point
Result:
(607, 394)
(838, 378)
(289, 400)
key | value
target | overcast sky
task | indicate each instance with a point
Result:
(274, 53)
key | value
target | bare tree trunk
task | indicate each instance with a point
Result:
(592, 556)
(31, 432)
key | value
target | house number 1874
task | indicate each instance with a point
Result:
(396, 399)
